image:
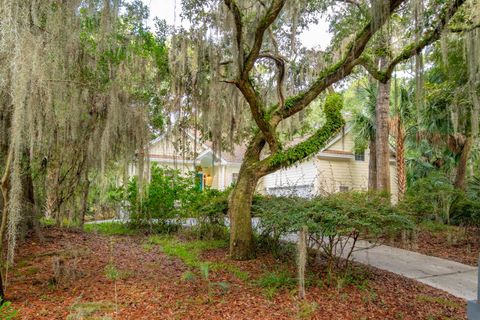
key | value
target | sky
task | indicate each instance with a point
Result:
(170, 10)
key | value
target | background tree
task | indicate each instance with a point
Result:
(72, 103)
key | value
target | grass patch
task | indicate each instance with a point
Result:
(306, 309)
(188, 252)
(438, 227)
(7, 312)
(91, 310)
(441, 301)
(242, 275)
(113, 273)
(110, 228)
(273, 281)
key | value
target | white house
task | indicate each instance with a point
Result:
(218, 171)
(335, 168)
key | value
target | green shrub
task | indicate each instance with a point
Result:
(166, 196)
(430, 198)
(210, 210)
(6, 310)
(434, 198)
(466, 209)
(335, 223)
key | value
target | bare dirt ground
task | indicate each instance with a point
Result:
(75, 275)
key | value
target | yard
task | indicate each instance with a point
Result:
(93, 275)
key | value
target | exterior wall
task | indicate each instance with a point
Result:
(350, 173)
(331, 171)
(299, 179)
(345, 143)
(229, 171)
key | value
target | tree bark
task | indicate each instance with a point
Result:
(382, 134)
(372, 165)
(461, 174)
(239, 211)
(400, 153)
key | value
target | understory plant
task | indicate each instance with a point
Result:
(160, 201)
(335, 223)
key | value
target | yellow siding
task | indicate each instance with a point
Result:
(349, 173)
(345, 143)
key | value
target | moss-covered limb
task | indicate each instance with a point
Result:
(313, 144)
(339, 70)
(432, 35)
(368, 63)
(459, 29)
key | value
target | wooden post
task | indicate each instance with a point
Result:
(302, 261)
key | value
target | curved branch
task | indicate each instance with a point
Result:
(244, 84)
(334, 73)
(411, 49)
(280, 63)
(272, 14)
(237, 16)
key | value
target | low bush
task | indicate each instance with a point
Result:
(335, 223)
(209, 208)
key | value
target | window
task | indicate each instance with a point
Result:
(360, 156)
(234, 177)
(343, 189)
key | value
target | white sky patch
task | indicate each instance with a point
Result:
(169, 10)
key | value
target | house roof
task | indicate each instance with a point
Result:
(233, 156)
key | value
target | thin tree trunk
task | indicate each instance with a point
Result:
(372, 165)
(5, 193)
(86, 189)
(461, 174)
(382, 134)
(401, 170)
(239, 211)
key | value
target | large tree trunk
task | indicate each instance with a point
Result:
(461, 174)
(372, 165)
(382, 124)
(239, 211)
(400, 151)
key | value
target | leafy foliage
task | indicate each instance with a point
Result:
(167, 195)
(334, 222)
(6, 311)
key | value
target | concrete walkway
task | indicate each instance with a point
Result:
(455, 278)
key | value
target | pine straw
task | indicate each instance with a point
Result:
(461, 246)
(154, 288)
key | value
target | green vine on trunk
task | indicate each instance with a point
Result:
(332, 108)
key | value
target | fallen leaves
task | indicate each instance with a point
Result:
(156, 287)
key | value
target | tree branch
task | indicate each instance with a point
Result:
(237, 16)
(334, 73)
(280, 63)
(270, 16)
(463, 28)
(413, 48)
(244, 84)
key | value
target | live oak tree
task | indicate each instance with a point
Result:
(251, 46)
